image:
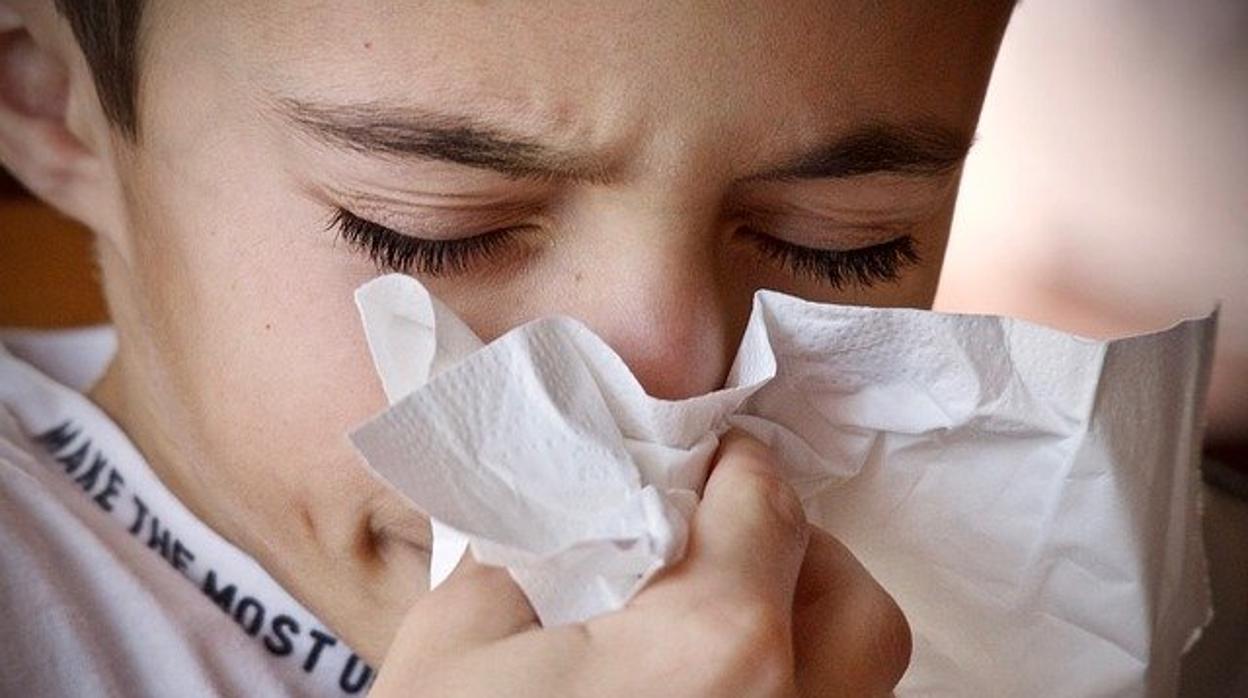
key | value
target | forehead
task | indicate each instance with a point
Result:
(590, 66)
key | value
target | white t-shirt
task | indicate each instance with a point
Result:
(109, 586)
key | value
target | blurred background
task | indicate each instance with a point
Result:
(1107, 194)
(1108, 190)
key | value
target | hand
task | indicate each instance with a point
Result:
(762, 605)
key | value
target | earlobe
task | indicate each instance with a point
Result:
(37, 144)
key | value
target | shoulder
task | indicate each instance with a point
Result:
(88, 613)
(75, 357)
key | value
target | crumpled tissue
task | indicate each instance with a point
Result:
(1029, 497)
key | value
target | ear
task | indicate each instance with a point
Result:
(54, 137)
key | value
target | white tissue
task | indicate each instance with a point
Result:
(1028, 497)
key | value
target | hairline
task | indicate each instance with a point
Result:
(108, 34)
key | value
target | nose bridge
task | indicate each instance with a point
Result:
(653, 292)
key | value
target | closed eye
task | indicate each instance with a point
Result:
(839, 269)
(394, 251)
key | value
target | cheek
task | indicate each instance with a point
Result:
(252, 318)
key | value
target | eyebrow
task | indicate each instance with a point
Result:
(415, 133)
(918, 149)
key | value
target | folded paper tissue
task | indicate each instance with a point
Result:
(1028, 497)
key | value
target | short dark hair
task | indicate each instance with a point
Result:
(108, 33)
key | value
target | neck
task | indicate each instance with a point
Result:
(357, 568)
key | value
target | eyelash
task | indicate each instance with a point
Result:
(864, 266)
(394, 251)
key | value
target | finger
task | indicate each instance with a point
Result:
(749, 532)
(476, 605)
(851, 638)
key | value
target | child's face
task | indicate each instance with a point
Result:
(651, 164)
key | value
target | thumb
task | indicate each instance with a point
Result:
(749, 533)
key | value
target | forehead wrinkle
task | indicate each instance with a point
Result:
(460, 201)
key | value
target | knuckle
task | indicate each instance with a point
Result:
(788, 505)
(763, 496)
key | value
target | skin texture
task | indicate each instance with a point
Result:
(241, 362)
(728, 609)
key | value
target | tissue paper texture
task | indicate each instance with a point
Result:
(1027, 496)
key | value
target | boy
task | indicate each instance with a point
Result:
(644, 167)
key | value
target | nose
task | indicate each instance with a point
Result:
(655, 293)
(667, 323)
